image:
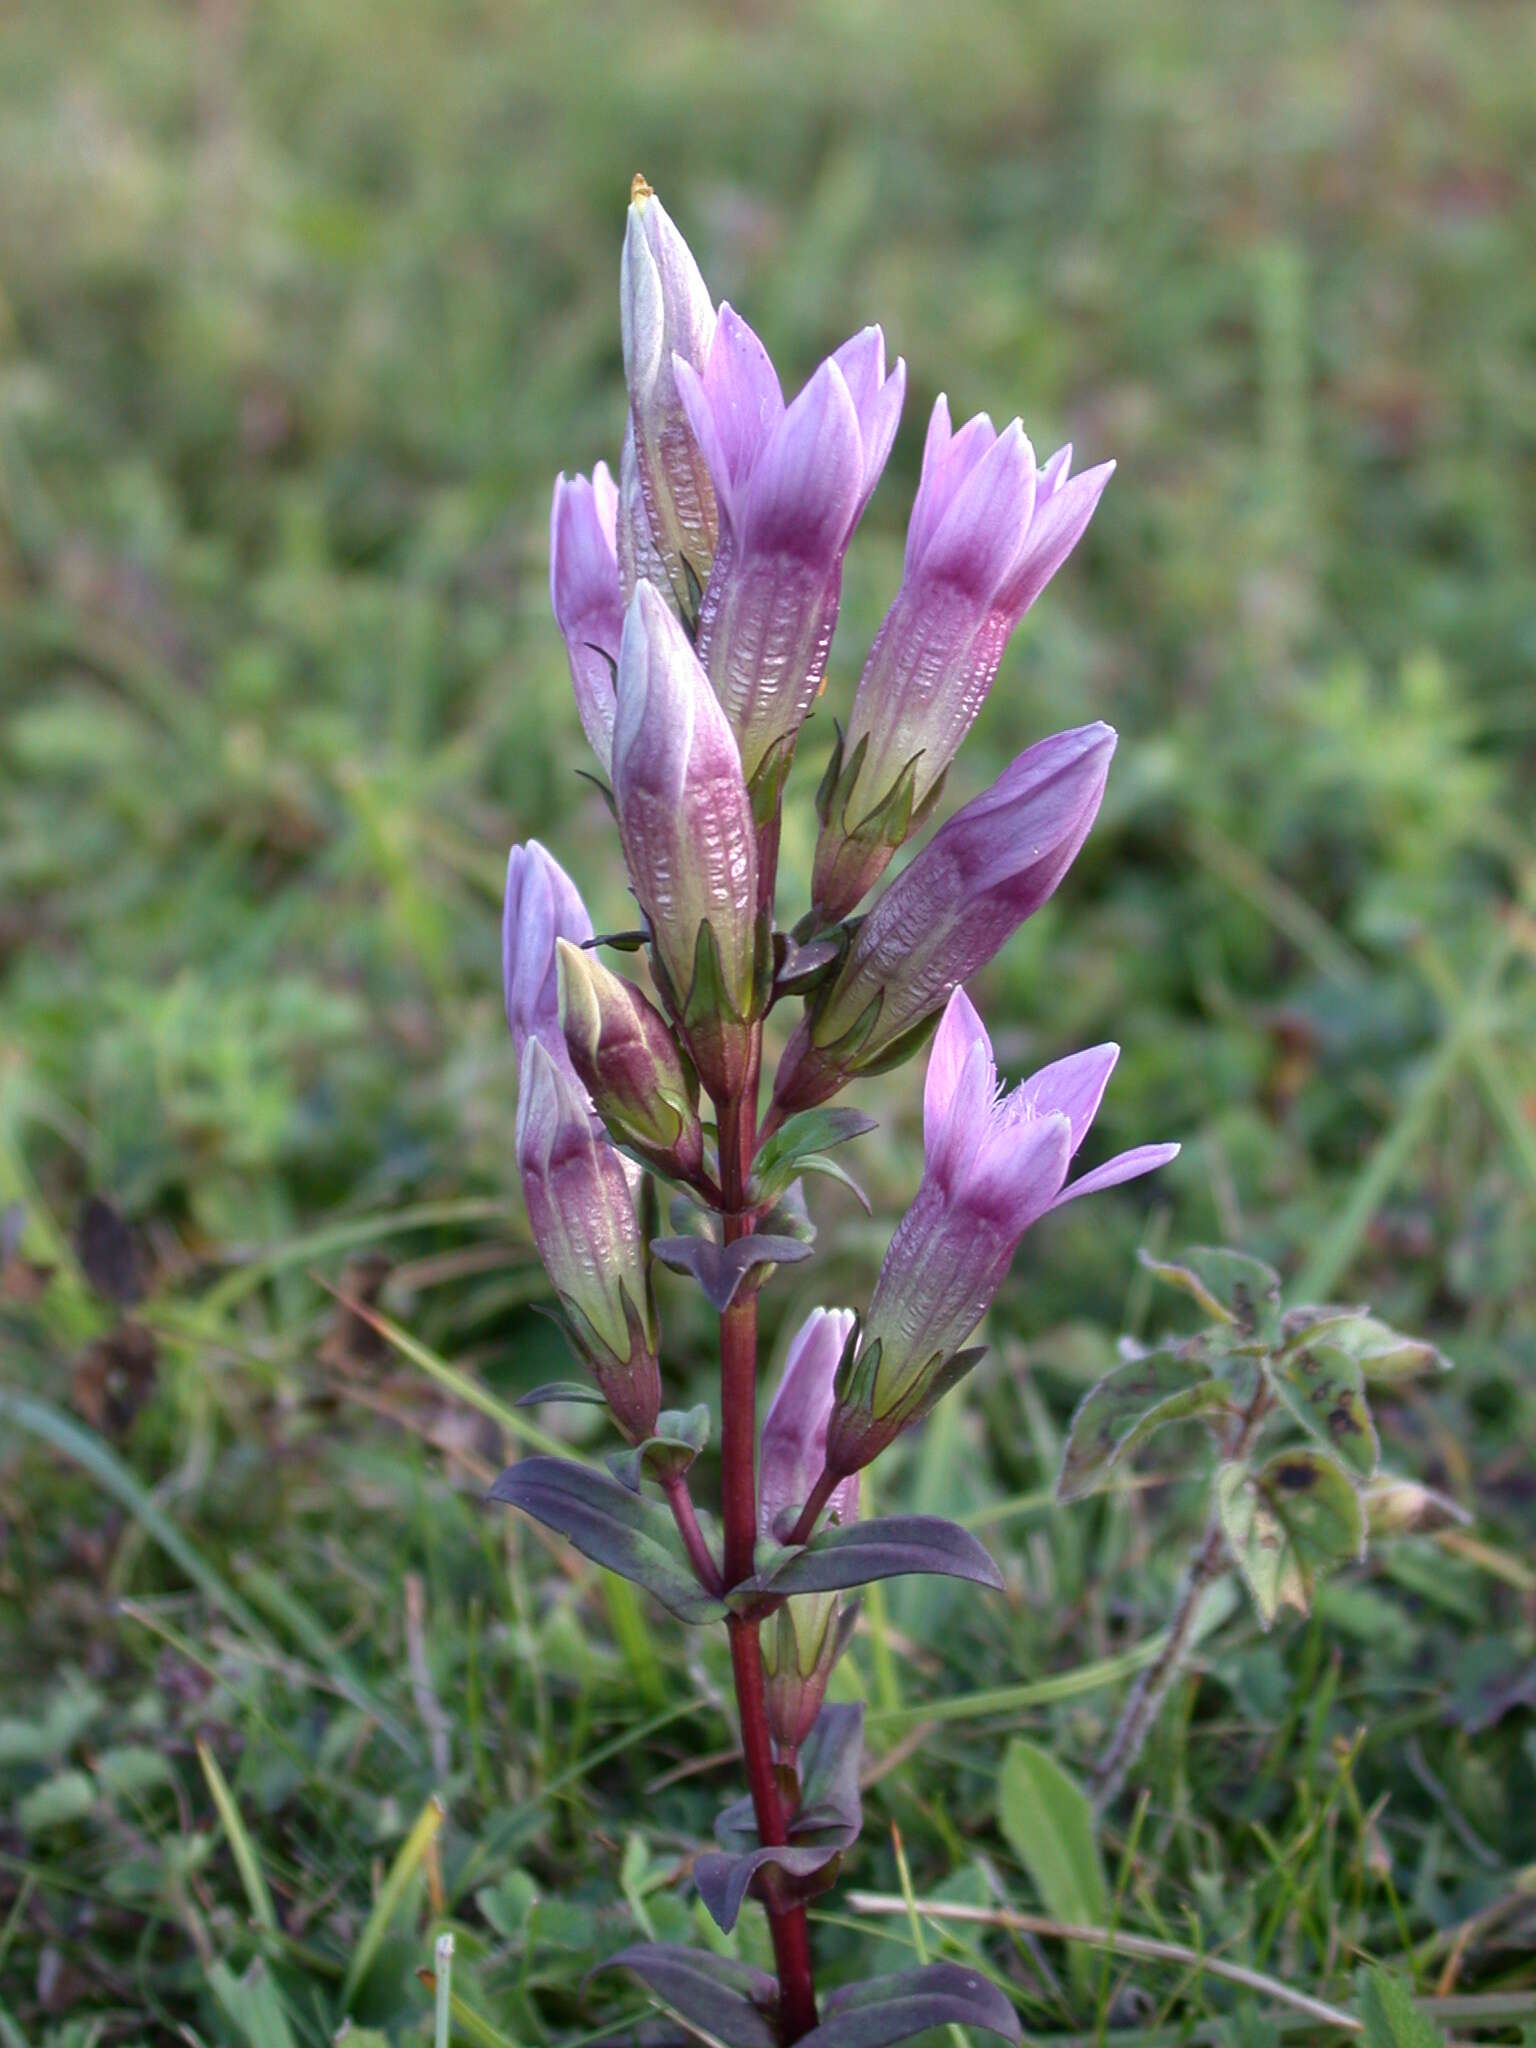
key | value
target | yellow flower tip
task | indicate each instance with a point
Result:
(639, 190)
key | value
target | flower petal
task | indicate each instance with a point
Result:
(1074, 1087)
(1124, 1166)
(960, 1028)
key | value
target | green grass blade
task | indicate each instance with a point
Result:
(242, 1848)
(83, 1447)
(392, 1895)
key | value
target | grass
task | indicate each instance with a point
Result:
(302, 308)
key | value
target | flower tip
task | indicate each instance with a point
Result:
(640, 189)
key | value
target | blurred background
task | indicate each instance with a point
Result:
(302, 306)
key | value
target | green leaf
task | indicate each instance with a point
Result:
(800, 1139)
(1048, 1823)
(1126, 1407)
(1287, 1524)
(1390, 2016)
(1385, 1354)
(253, 2004)
(1229, 1286)
(66, 1797)
(624, 1531)
(1324, 1387)
(680, 1436)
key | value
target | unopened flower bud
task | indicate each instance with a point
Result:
(584, 590)
(801, 1639)
(542, 905)
(582, 1214)
(666, 312)
(626, 1057)
(994, 1164)
(685, 820)
(945, 915)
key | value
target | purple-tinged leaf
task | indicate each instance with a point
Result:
(890, 2009)
(621, 1530)
(888, 1548)
(831, 1811)
(734, 2003)
(720, 1269)
(725, 1881)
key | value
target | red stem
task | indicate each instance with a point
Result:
(680, 1500)
(738, 1500)
(810, 1514)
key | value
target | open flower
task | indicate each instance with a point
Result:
(945, 915)
(791, 484)
(582, 1213)
(802, 1637)
(987, 533)
(584, 590)
(686, 822)
(665, 315)
(994, 1164)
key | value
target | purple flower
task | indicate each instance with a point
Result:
(987, 533)
(801, 1638)
(794, 1438)
(583, 1219)
(790, 483)
(686, 823)
(947, 913)
(625, 1056)
(994, 1164)
(666, 315)
(542, 905)
(584, 589)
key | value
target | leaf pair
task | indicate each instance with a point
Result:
(634, 1536)
(736, 2005)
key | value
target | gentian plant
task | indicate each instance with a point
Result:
(698, 598)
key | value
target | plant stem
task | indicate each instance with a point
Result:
(810, 1514)
(1152, 1687)
(738, 1502)
(680, 1500)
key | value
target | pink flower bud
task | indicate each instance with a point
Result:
(666, 313)
(542, 905)
(685, 820)
(583, 1219)
(584, 589)
(625, 1056)
(987, 533)
(946, 914)
(801, 1639)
